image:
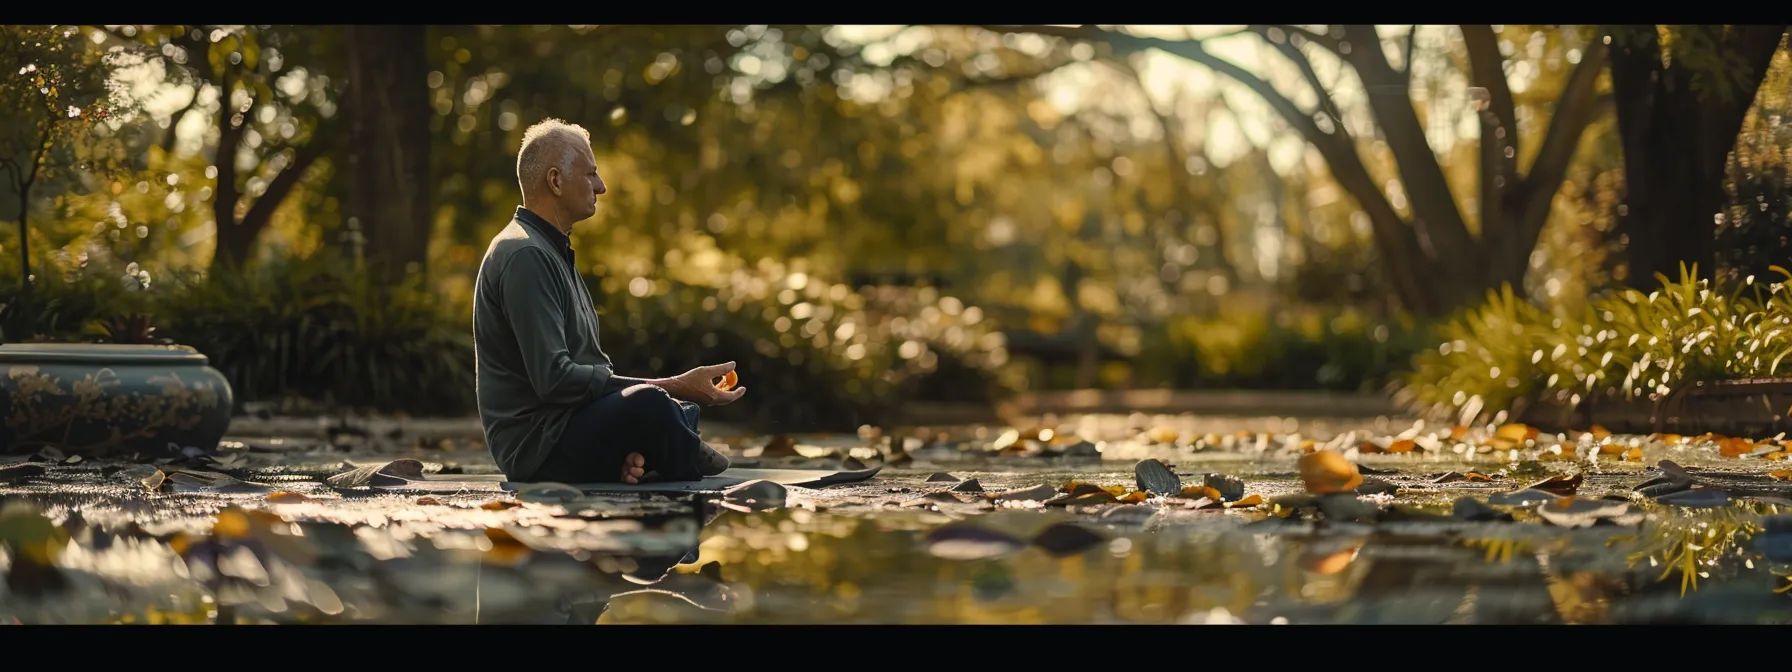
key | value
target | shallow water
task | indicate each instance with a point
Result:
(90, 543)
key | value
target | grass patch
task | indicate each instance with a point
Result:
(1509, 353)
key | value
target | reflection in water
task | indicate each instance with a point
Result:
(692, 561)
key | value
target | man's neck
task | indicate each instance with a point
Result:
(552, 216)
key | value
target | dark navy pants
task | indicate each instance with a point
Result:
(640, 419)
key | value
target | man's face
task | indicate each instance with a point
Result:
(581, 187)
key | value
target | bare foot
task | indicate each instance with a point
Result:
(633, 468)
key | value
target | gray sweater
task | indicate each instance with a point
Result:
(535, 342)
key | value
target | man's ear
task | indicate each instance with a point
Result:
(554, 180)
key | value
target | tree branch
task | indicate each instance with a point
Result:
(1435, 214)
(1412, 39)
(224, 158)
(282, 184)
(1499, 133)
(1293, 53)
(1393, 238)
(1574, 110)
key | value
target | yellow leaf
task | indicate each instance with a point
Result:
(1326, 471)
(1402, 446)
(1781, 474)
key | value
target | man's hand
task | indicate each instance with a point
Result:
(698, 385)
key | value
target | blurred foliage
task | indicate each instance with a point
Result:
(1340, 350)
(1624, 344)
(1032, 183)
(1755, 228)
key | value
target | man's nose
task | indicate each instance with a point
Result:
(601, 189)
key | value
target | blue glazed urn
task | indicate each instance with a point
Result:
(105, 400)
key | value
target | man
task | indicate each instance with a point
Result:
(552, 407)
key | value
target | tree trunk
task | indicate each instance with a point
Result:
(388, 113)
(1675, 144)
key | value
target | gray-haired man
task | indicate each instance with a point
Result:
(552, 408)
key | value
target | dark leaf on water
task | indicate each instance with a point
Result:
(1372, 471)
(1346, 506)
(964, 541)
(1376, 486)
(1134, 514)
(970, 486)
(1674, 472)
(1471, 509)
(1660, 487)
(1085, 499)
(1559, 485)
(1037, 493)
(931, 499)
(941, 477)
(1230, 488)
(1155, 477)
(1525, 497)
(1697, 498)
(14, 473)
(757, 495)
(1066, 539)
(190, 481)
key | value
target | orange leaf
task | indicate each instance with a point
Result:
(1517, 433)
(1477, 476)
(1457, 432)
(1248, 501)
(1402, 446)
(1135, 497)
(499, 505)
(1600, 433)
(1611, 448)
(1308, 446)
(427, 500)
(1781, 474)
(1369, 448)
(1634, 455)
(287, 498)
(1735, 447)
(1326, 471)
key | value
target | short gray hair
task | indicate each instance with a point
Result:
(536, 156)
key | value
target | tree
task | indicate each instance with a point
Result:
(1434, 262)
(389, 113)
(52, 87)
(1681, 97)
(274, 108)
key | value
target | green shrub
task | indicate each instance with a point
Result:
(1626, 344)
(323, 329)
(1294, 350)
(815, 356)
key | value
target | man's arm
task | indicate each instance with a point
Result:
(537, 316)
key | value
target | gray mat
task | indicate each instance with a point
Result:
(407, 474)
(802, 478)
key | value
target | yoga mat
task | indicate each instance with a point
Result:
(406, 474)
(802, 478)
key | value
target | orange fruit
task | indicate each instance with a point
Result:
(728, 381)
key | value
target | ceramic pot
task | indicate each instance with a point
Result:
(101, 400)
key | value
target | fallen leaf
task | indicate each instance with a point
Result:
(1633, 455)
(1326, 471)
(1308, 446)
(1780, 474)
(1600, 433)
(1369, 448)
(779, 446)
(943, 477)
(500, 505)
(1155, 476)
(1516, 432)
(1085, 499)
(427, 500)
(506, 549)
(1458, 432)
(1611, 448)
(1135, 497)
(1248, 501)
(1735, 447)
(287, 497)
(1402, 446)
(1162, 435)
(1559, 485)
